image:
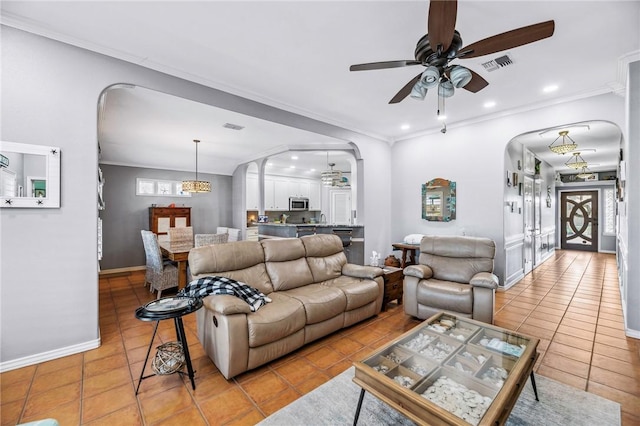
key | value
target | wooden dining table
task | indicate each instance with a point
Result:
(178, 252)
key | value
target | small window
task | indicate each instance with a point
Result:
(609, 211)
(145, 187)
(164, 188)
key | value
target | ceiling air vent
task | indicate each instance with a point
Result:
(232, 126)
(499, 62)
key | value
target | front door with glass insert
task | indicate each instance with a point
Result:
(579, 217)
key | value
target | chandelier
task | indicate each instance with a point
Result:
(576, 161)
(196, 185)
(330, 177)
(584, 173)
(564, 147)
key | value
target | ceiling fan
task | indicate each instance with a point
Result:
(442, 44)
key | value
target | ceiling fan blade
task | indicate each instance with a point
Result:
(508, 40)
(441, 23)
(382, 65)
(476, 84)
(406, 90)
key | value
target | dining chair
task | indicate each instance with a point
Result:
(183, 234)
(160, 275)
(234, 234)
(209, 239)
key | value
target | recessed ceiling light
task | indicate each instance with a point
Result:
(489, 104)
(312, 170)
(551, 88)
(294, 157)
(405, 127)
(442, 117)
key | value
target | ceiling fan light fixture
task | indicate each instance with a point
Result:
(430, 77)
(576, 161)
(418, 91)
(460, 76)
(195, 185)
(445, 89)
(564, 147)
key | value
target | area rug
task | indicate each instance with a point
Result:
(335, 402)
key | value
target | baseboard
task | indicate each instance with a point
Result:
(122, 271)
(632, 333)
(48, 356)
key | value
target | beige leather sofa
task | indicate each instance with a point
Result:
(314, 292)
(454, 274)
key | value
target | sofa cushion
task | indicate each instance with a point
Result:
(290, 274)
(358, 291)
(225, 257)
(457, 246)
(282, 249)
(286, 264)
(456, 269)
(276, 320)
(446, 295)
(320, 302)
(256, 276)
(326, 268)
(456, 258)
(320, 245)
(325, 256)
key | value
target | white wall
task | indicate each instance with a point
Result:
(630, 230)
(48, 274)
(473, 156)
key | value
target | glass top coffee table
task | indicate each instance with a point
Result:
(450, 370)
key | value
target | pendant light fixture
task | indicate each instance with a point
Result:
(564, 147)
(585, 173)
(576, 161)
(196, 185)
(330, 177)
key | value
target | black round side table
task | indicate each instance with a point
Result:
(166, 308)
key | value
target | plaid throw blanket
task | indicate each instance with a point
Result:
(221, 285)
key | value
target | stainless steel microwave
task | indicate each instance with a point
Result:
(298, 203)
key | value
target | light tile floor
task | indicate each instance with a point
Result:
(571, 302)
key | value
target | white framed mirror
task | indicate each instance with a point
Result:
(29, 175)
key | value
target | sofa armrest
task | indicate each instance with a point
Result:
(360, 271)
(422, 272)
(226, 304)
(484, 279)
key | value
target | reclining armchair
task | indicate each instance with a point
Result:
(454, 274)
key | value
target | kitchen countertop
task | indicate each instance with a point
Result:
(317, 225)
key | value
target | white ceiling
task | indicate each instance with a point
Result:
(295, 55)
(136, 120)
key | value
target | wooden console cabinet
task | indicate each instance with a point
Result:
(163, 218)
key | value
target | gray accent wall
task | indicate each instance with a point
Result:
(127, 213)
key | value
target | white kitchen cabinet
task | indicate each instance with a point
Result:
(278, 189)
(253, 193)
(276, 193)
(298, 188)
(315, 195)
